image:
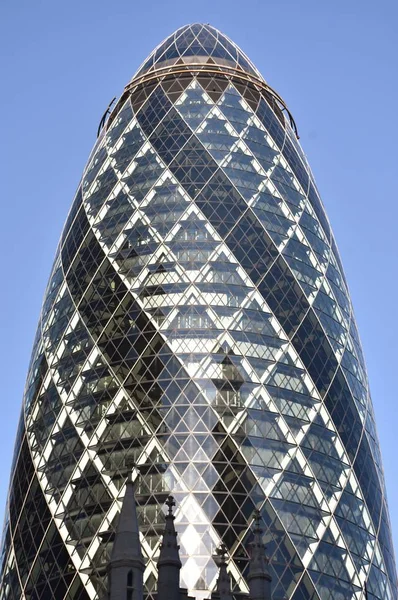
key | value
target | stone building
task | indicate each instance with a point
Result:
(127, 565)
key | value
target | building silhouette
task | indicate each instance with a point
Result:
(197, 323)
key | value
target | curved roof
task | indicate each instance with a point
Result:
(197, 43)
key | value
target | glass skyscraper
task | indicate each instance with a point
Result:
(197, 323)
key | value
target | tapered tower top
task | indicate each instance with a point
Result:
(201, 49)
(127, 545)
(197, 43)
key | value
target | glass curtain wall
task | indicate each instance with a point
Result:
(197, 324)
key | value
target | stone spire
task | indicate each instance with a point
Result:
(169, 563)
(126, 565)
(223, 589)
(259, 577)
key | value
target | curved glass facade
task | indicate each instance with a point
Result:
(197, 323)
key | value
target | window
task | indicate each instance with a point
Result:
(129, 591)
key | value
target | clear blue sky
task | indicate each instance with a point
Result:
(334, 62)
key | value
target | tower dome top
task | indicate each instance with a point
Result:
(198, 43)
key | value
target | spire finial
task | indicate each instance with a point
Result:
(132, 468)
(259, 577)
(169, 563)
(221, 551)
(223, 589)
(257, 522)
(170, 502)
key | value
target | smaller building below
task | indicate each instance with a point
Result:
(126, 566)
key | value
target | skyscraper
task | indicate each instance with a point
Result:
(197, 323)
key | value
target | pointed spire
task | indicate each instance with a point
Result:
(126, 565)
(259, 577)
(127, 543)
(223, 589)
(169, 563)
